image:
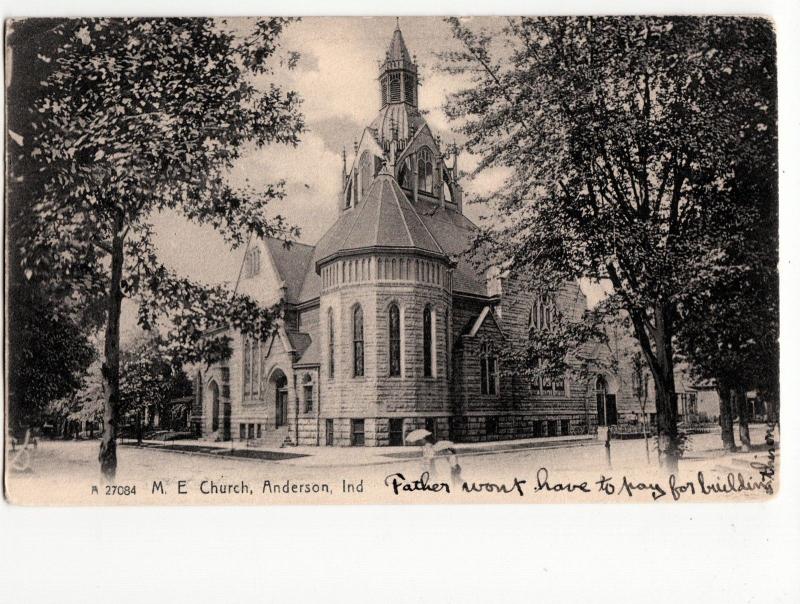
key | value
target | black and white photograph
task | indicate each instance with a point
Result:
(403, 303)
(319, 260)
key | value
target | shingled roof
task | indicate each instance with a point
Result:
(292, 263)
(384, 220)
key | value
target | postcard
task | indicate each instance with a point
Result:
(277, 261)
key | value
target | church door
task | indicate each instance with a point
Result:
(611, 409)
(281, 407)
(606, 403)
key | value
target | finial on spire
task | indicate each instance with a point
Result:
(397, 23)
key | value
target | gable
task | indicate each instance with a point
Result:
(484, 323)
(258, 276)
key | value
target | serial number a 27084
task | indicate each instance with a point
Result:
(120, 489)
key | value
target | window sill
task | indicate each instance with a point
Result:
(253, 401)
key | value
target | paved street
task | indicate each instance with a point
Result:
(68, 471)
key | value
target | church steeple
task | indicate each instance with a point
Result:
(398, 73)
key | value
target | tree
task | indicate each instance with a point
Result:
(49, 350)
(149, 377)
(730, 326)
(139, 116)
(641, 388)
(48, 354)
(622, 136)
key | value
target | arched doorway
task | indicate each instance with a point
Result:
(213, 390)
(280, 387)
(606, 403)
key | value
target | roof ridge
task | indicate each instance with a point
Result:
(358, 216)
(283, 241)
(422, 222)
(405, 222)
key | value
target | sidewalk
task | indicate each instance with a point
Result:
(355, 456)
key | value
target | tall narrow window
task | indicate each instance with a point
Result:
(394, 340)
(427, 342)
(247, 363)
(484, 371)
(365, 169)
(542, 314)
(408, 88)
(425, 171)
(331, 349)
(394, 88)
(488, 369)
(447, 345)
(308, 393)
(358, 342)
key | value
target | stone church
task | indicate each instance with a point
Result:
(386, 327)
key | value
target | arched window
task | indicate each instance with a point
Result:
(404, 177)
(427, 342)
(384, 91)
(394, 88)
(448, 186)
(331, 364)
(247, 361)
(365, 171)
(198, 389)
(408, 88)
(541, 314)
(394, 340)
(488, 369)
(425, 170)
(308, 393)
(358, 342)
(348, 197)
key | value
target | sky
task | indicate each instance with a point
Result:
(336, 77)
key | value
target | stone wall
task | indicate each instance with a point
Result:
(376, 393)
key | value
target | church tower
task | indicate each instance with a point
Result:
(400, 143)
(398, 73)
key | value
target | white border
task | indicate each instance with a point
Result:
(693, 553)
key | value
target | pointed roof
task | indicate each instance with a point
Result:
(397, 47)
(384, 220)
(291, 262)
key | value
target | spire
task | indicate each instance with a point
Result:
(397, 48)
(398, 73)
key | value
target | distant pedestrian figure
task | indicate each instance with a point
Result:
(455, 471)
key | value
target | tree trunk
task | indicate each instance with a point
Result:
(110, 368)
(666, 399)
(726, 416)
(744, 418)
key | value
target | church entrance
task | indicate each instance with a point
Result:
(281, 385)
(606, 403)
